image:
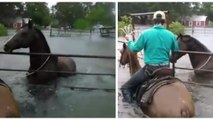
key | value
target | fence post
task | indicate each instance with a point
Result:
(50, 31)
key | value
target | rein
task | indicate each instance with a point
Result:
(205, 62)
(44, 63)
(130, 63)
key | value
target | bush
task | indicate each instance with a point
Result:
(3, 30)
(125, 20)
(177, 28)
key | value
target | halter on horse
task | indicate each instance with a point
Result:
(33, 38)
(168, 100)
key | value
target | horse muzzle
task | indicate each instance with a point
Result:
(7, 49)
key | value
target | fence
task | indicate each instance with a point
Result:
(66, 55)
(205, 70)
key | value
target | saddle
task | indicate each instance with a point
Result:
(158, 78)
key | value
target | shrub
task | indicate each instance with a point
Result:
(125, 20)
(3, 30)
(176, 28)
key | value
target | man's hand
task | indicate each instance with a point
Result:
(128, 36)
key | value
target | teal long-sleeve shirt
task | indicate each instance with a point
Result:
(157, 43)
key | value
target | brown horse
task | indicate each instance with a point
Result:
(8, 105)
(169, 100)
(33, 38)
(198, 61)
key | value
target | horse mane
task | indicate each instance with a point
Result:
(41, 35)
(194, 43)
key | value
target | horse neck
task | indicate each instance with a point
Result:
(198, 60)
(38, 45)
(134, 65)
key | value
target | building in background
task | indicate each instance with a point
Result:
(196, 21)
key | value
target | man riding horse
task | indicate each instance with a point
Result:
(157, 43)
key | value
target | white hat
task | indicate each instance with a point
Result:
(159, 15)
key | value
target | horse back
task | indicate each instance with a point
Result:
(171, 100)
(66, 64)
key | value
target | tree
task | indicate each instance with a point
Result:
(207, 9)
(10, 11)
(82, 24)
(68, 13)
(101, 13)
(38, 12)
(177, 9)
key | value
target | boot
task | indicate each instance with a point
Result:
(127, 95)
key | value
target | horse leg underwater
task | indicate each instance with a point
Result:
(8, 105)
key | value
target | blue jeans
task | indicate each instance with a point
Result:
(137, 79)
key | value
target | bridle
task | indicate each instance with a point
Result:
(39, 68)
(205, 63)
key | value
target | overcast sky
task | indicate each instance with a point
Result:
(51, 3)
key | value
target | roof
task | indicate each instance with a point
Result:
(196, 18)
(145, 13)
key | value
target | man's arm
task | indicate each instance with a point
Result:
(175, 46)
(138, 45)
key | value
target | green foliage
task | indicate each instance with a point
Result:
(176, 28)
(39, 13)
(176, 8)
(81, 24)
(68, 13)
(125, 20)
(3, 30)
(101, 14)
(10, 10)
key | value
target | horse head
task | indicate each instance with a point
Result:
(21, 39)
(125, 58)
(184, 42)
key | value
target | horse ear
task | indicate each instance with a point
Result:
(179, 36)
(124, 45)
(30, 24)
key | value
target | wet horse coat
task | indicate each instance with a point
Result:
(33, 38)
(8, 105)
(171, 100)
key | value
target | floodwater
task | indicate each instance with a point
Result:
(202, 96)
(43, 101)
